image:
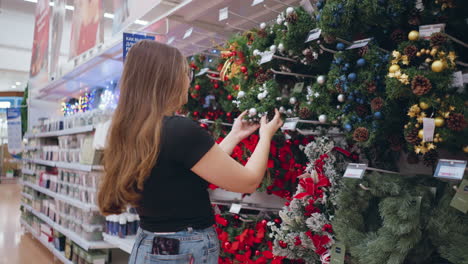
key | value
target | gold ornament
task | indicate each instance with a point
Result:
(428, 51)
(394, 68)
(421, 134)
(433, 52)
(418, 54)
(439, 121)
(437, 66)
(428, 60)
(436, 140)
(416, 126)
(413, 35)
(424, 105)
(465, 149)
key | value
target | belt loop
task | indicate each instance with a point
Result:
(190, 229)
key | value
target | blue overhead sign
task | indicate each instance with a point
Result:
(130, 39)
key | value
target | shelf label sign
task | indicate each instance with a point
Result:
(426, 31)
(460, 200)
(290, 124)
(313, 34)
(235, 208)
(130, 39)
(359, 43)
(267, 57)
(355, 170)
(223, 13)
(337, 255)
(256, 2)
(450, 169)
(15, 141)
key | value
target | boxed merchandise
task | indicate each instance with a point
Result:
(92, 232)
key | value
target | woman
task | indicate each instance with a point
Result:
(161, 164)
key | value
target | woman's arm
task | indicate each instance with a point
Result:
(218, 168)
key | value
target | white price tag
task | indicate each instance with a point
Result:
(202, 71)
(313, 34)
(359, 43)
(457, 80)
(428, 129)
(266, 57)
(188, 33)
(298, 87)
(450, 169)
(465, 78)
(235, 208)
(256, 2)
(355, 170)
(307, 6)
(290, 124)
(223, 13)
(426, 31)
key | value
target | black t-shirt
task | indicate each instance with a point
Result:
(174, 197)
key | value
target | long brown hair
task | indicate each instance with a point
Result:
(153, 84)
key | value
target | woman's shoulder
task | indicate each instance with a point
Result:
(179, 122)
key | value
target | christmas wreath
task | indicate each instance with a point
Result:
(395, 233)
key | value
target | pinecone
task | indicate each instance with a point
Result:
(412, 137)
(371, 87)
(305, 113)
(262, 78)
(363, 51)
(412, 158)
(362, 110)
(377, 103)
(398, 36)
(361, 134)
(420, 85)
(411, 51)
(396, 142)
(430, 158)
(438, 39)
(292, 18)
(202, 58)
(456, 122)
(262, 33)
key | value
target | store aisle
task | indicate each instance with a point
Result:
(16, 246)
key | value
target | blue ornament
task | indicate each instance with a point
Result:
(361, 101)
(317, 17)
(320, 5)
(350, 97)
(340, 46)
(361, 62)
(357, 100)
(378, 115)
(339, 60)
(352, 76)
(345, 68)
(342, 78)
(353, 118)
(340, 6)
(359, 119)
(348, 127)
(347, 65)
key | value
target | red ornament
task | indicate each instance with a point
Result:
(229, 97)
(234, 53)
(278, 221)
(282, 244)
(289, 142)
(204, 125)
(247, 248)
(243, 69)
(236, 217)
(257, 252)
(195, 113)
(298, 241)
(197, 87)
(228, 114)
(227, 245)
(296, 142)
(264, 222)
(194, 96)
(226, 78)
(237, 87)
(216, 86)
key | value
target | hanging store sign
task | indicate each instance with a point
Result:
(130, 39)
(15, 141)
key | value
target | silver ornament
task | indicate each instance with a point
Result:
(240, 94)
(263, 25)
(261, 96)
(289, 10)
(281, 109)
(279, 20)
(252, 112)
(292, 100)
(322, 119)
(278, 98)
(286, 23)
(281, 47)
(273, 48)
(321, 79)
(341, 98)
(256, 52)
(289, 112)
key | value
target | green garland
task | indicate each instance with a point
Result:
(403, 210)
(448, 229)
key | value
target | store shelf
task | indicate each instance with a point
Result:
(31, 148)
(68, 233)
(30, 197)
(29, 172)
(49, 246)
(72, 131)
(125, 244)
(65, 165)
(61, 197)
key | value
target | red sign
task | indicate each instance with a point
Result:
(39, 61)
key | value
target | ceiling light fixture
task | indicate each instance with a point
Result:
(18, 83)
(109, 15)
(13, 87)
(32, 1)
(69, 7)
(141, 22)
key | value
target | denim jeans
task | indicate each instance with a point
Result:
(196, 247)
